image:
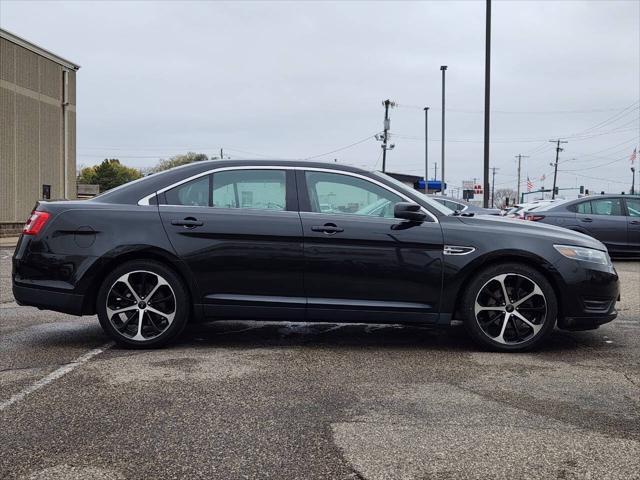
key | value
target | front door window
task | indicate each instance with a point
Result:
(344, 194)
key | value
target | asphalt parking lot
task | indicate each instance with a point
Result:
(299, 401)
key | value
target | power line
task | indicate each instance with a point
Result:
(341, 148)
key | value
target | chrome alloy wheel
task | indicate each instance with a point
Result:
(510, 309)
(141, 305)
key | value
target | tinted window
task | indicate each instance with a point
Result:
(194, 193)
(633, 205)
(583, 207)
(336, 193)
(606, 206)
(263, 189)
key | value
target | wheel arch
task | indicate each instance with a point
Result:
(118, 256)
(511, 256)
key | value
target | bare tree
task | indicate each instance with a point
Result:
(501, 196)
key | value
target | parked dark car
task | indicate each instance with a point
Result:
(461, 206)
(612, 219)
(296, 241)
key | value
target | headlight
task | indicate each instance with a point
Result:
(582, 253)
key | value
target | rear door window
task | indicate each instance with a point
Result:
(194, 193)
(583, 207)
(606, 206)
(256, 189)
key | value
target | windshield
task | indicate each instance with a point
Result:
(404, 188)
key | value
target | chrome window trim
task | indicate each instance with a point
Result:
(145, 200)
(457, 250)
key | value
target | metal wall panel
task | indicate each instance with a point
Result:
(27, 171)
(72, 87)
(27, 69)
(31, 131)
(7, 157)
(7, 60)
(51, 149)
(71, 166)
(50, 78)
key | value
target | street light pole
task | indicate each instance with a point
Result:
(443, 68)
(487, 103)
(426, 148)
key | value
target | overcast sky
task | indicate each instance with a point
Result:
(297, 80)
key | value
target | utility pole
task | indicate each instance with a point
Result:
(487, 103)
(443, 68)
(426, 148)
(493, 186)
(435, 171)
(387, 103)
(555, 167)
(633, 181)
(519, 157)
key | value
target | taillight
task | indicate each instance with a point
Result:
(36, 222)
(535, 218)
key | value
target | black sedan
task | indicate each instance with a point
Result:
(298, 241)
(612, 219)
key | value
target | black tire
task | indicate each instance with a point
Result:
(156, 329)
(516, 336)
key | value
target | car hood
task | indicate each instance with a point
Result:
(558, 235)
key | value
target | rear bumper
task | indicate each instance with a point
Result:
(48, 299)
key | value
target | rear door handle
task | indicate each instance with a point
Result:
(188, 222)
(586, 220)
(328, 228)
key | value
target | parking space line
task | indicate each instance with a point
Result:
(56, 374)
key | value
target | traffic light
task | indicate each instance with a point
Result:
(581, 189)
(555, 190)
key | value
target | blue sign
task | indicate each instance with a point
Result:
(434, 185)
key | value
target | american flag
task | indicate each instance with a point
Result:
(633, 156)
(529, 185)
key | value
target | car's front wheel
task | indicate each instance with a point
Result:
(143, 304)
(509, 307)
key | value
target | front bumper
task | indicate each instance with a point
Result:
(588, 296)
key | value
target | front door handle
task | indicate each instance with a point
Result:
(328, 228)
(635, 222)
(189, 222)
(586, 220)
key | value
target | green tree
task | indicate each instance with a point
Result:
(177, 160)
(109, 174)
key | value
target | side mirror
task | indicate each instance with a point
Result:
(409, 211)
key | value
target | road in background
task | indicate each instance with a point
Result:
(280, 400)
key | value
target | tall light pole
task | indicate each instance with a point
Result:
(426, 148)
(487, 92)
(443, 68)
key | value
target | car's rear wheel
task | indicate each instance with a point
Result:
(143, 304)
(509, 307)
